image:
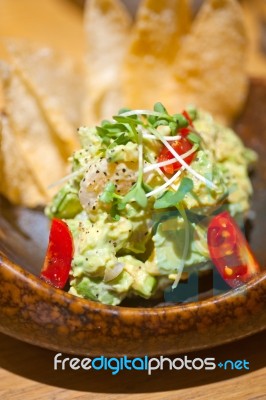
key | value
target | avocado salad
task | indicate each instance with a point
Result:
(137, 203)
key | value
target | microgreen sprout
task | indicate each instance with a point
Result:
(108, 195)
(171, 199)
(186, 246)
(137, 193)
(194, 138)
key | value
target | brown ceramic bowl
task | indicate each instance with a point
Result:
(33, 311)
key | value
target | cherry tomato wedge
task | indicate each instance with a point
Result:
(187, 116)
(57, 263)
(181, 146)
(184, 131)
(229, 251)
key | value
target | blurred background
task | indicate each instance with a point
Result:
(59, 23)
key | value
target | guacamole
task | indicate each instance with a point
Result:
(142, 189)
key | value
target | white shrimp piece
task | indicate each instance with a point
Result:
(101, 172)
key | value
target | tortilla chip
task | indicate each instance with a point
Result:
(1, 96)
(32, 133)
(107, 28)
(17, 183)
(57, 84)
(156, 36)
(255, 19)
(209, 68)
(2, 176)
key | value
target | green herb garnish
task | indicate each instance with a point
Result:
(194, 138)
(123, 110)
(108, 194)
(170, 199)
(122, 139)
(137, 194)
(181, 121)
(159, 107)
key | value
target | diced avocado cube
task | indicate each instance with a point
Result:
(96, 289)
(65, 204)
(145, 286)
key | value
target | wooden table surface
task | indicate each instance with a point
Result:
(27, 371)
